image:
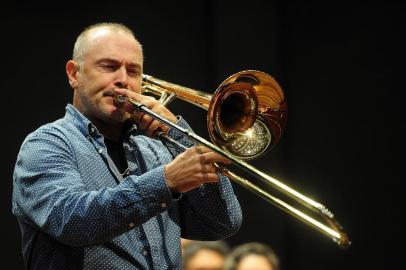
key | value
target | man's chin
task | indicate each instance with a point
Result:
(113, 114)
(119, 116)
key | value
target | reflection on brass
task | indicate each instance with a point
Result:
(246, 114)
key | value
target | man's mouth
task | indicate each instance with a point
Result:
(109, 93)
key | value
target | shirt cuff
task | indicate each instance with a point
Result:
(152, 187)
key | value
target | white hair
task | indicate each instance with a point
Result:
(82, 40)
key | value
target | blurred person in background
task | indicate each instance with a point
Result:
(204, 255)
(252, 256)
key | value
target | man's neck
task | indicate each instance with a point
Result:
(113, 132)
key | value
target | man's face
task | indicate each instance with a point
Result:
(111, 59)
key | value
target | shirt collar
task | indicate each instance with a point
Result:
(87, 128)
(80, 121)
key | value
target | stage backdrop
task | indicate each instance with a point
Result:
(340, 64)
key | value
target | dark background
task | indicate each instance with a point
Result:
(341, 65)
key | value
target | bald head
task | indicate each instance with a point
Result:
(93, 32)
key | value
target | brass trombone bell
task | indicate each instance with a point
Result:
(246, 114)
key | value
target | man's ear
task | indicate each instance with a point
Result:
(72, 70)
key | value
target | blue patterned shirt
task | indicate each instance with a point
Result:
(76, 211)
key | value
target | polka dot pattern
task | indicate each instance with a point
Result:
(76, 211)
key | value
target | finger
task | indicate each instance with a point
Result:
(121, 91)
(208, 178)
(154, 127)
(128, 93)
(162, 111)
(207, 168)
(122, 103)
(200, 149)
(213, 157)
(150, 102)
(137, 116)
(145, 121)
(199, 179)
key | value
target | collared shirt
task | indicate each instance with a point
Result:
(76, 211)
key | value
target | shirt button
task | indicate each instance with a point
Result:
(100, 150)
(144, 252)
(163, 205)
(131, 225)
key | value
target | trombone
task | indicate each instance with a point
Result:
(246, 118)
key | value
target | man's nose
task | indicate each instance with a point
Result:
(122, 78)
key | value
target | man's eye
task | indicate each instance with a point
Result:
(133, 72)
(109, 67)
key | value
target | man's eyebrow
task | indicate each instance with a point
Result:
(134, 65)
(107, 60)
(115, 61)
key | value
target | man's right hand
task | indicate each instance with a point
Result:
(192, 168)
(145, 122)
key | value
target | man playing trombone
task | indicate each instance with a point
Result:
(96, 190)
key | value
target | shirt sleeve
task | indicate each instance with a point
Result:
(210, 212)
(50, 195)
(179, 137)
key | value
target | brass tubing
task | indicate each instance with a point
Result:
(330, 228)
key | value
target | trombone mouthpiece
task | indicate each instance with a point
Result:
(119, 99)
